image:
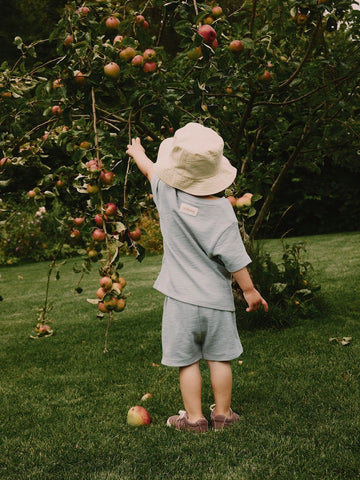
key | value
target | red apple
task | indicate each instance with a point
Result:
(112, 70)
(75, 234)
(122, 281)
(44, 329)
(110, 209)
(31, 193)
(112, 23)
(137, 61)
(106, 283)
(149, 67)
(99, 220)
(68, 40)
(217, 11)
(117, 286)
(5, 161)
(207, 32)
(139, 19)
(98, 235)
(149, 54)
(138, 416)
(56, 110)
(118, 39)
(266, 76)
(119, 304)
(78, 221)
(60, 183)
(127, 54)
(215, 44)
(83, 11)
(57, 83)
(107, 178)
(135, 234)
(145, 25)
(80, 79)
(236, 46)
(100, 293)
(102, 308)
(93, 165)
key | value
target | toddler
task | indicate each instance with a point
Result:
(203, 251)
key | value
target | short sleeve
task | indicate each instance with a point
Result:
(230, 250)
(155, 188)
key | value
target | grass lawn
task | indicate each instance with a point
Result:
(64, 402)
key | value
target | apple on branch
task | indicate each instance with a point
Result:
(112, 23)
(208, 33)
(236, 46)
(112, 70)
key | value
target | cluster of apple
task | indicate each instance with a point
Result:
(144, 60)
(75, 232)
(110, 294)
(241, 202)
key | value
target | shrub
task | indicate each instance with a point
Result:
(287, 286)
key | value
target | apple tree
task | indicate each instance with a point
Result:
(270, 76)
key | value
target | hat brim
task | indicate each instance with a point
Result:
(166, 170)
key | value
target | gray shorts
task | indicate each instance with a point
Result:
(190, 333)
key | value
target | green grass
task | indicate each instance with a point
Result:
(64, 402)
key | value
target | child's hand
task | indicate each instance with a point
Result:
(255, 300)
(135, 147)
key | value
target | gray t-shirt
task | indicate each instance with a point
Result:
(202, 245)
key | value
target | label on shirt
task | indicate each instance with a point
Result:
(189, 209)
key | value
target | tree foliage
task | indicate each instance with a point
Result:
(286, 100)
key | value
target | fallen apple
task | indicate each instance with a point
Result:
(138, 416)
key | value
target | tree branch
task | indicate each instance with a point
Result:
(307, 53)
(278, 182)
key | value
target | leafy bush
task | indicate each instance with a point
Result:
(33, 233)
(287, 286)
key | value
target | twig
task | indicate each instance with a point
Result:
(128, 165)
(96, 138)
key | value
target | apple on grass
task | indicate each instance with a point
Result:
(138, 416)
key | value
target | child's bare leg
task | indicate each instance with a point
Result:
(190, 386)
(221, 381)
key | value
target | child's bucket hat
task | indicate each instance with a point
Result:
(193, 161)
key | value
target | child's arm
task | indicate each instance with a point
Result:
(251, 295)
(137, 152)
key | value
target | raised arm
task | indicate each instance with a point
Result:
(137, 152)
(251, 295)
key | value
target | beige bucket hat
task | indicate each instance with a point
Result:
(193, 161)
